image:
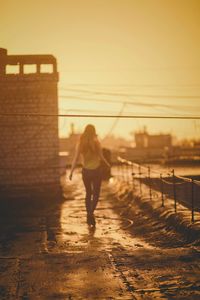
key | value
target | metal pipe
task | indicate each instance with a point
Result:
(192, 199)
(149, 175)
(139, 172)
(162, 191)
(133, 177)
(174, 191)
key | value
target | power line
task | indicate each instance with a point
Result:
(85, 110)
(73, 110)
(131, 95)
(88, 99)
(184, 85)
(152, 105)
(132, 69)
(100, 116)
(157, 106)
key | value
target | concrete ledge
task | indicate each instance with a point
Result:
(180, 221)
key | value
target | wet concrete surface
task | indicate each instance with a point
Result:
(50, 252)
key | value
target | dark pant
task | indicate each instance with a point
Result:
(92, 182)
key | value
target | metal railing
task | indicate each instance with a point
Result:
(183, 190)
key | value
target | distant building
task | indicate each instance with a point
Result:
(68, 144)
(67, 147)
(142, 155)
(148, 147)
(141, 139)
(112, 142)
(160, 141)
(146, 140)
(180, 154)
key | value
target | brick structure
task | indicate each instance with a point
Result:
(29, 142)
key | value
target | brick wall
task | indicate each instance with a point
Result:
(29, 145)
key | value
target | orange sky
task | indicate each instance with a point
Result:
(132, 48)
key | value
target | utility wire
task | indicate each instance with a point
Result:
(186, 85)
(84, 110)
(131, 95)
(98, 111)
(100, 116)
(152, 105)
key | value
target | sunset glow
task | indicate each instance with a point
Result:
(139, 51)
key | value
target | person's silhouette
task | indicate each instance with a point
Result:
(90, 149)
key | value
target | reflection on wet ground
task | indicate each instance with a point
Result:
(49, 252)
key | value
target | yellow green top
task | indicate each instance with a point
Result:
(91, 160)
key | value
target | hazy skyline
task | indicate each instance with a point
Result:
(145, 52)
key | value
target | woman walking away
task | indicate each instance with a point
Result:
(90, 149)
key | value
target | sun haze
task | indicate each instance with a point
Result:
(135, 57)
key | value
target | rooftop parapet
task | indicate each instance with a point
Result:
(26, 60)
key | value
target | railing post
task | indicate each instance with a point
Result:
(121, 167)
(162, 191)
(139, 171)
(127, 173)
(132, 173)
(124, 171)
(174, 191)
(117, 170)
(125, 177)
(121, 171)
(149, 175)
(192, 198)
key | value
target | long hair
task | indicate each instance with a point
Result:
(88, 140)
